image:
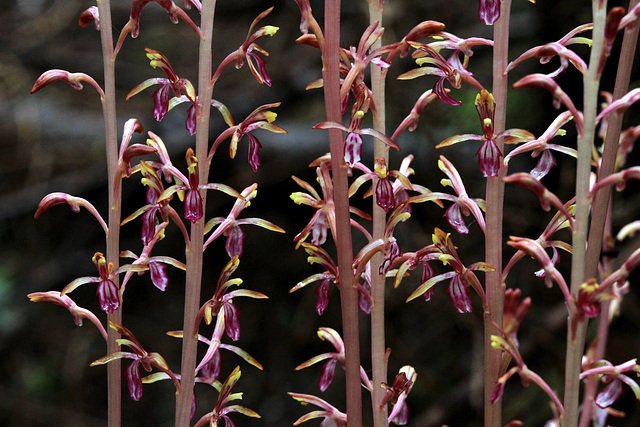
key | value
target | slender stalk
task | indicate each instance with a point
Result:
(114, 405)
(575, 342)
(194, 252)
(348, 293)
(602, 202)
(494, 219)
(378, 362)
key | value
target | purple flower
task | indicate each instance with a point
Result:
(489, 155)
(139, 356)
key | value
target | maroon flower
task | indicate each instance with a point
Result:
(139, 356)
(108, 292)
(332, 358)
(489, 155)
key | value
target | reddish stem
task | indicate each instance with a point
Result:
(348, 293)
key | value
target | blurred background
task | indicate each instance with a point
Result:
(53, 141)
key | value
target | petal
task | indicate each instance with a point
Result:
(609, 394)
(459, 295)
(134, 383)
(158, 275)
(454, 216)
(232, 322)
(328, 370)
(193, 206)
(384, 194)
(161, 102)
(489, 11)
(323, 296)
(489, 158)
(108, 296)
(211, 369)
(545, 163)
(235, 242)
(352, 149)
(254, 152)
(190, 123)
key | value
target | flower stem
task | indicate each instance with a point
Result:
(601, 203)
(575, 342)
(194, 252)
(378, 362)
(114, 405)
(494, 219)
(348, 293)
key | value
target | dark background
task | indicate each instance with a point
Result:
(53, 141)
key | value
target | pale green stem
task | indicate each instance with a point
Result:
(494, 218)
(348, 293)
(114, 378)
(601, 203)
(194, 252)
(575, 343)
(378, 350)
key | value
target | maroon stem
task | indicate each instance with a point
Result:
(348, 293)
(114, 380)
(494, 218)
(194, 252)
(601, 204)
(378, 350)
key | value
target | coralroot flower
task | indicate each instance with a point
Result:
(223, 300)
(461, 276)
(452, 70)
(260, 118)
(385, 191)
(489, 155)
(179, 86)
(108, 292)
(230, 226)
(247, 52)
(614, 377)
(223, 408)
(317, 255)
(397, 394)
(332, 417)
(140, 357)
(332, 358)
